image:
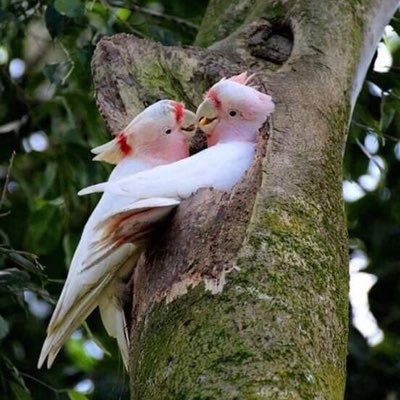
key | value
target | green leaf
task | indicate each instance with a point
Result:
(44, 228)
(13, 277)
(57, 72)
(4, 328)
(123, 14)
(25, 261)
(70, 8)
(74, 395)
(389, 106)
(392, 42)
(20, 392)
(76, 351)
(55, 22)
(50, 175)
(14, 379)
(95, 339)
(70, 242)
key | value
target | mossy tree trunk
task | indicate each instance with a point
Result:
(278, 327)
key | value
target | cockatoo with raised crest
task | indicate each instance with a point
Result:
(230, 115)
(108, 251)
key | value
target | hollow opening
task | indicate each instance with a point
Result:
(272, 43)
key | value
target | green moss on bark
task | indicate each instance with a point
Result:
(222, 18)
(236, 345)
(279, 328)
(161, 75)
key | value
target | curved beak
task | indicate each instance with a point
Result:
(188, 124)
(206, 116)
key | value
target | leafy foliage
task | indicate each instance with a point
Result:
(49, 119)
(372, 161)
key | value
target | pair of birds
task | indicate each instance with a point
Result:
(153, 174)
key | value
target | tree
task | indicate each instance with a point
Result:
(278, 244)
(48, 117)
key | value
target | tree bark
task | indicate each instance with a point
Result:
(272, 255)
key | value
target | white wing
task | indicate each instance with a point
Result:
(220, 167)
(110, 242)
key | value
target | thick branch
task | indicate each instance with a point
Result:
(374, 21)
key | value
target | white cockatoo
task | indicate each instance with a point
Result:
(230, 115)
(107, 253)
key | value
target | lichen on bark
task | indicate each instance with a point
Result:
(278, 330)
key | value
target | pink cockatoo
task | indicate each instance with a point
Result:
(107, 253)
(231, 115)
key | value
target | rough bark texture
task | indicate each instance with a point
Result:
(278, 329)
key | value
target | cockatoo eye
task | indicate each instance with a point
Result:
(233, 113)
(168, 131)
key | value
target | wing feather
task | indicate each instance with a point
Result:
(116, 242)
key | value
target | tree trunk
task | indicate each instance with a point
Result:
(256, 281)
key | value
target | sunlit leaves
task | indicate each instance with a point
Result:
(123, 14)
(75, 349)
(392, 42)
(74, 395)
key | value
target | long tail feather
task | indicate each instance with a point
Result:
(65, 320)
(110, 256)
(62, 332)
(113, 317)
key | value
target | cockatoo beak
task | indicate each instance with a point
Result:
(188, 124)
(207, 116)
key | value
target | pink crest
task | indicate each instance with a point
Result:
(213, 96)
(241, 78)
(179, 110)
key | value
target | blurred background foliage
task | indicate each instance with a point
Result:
(49, 122)
(371, 189)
